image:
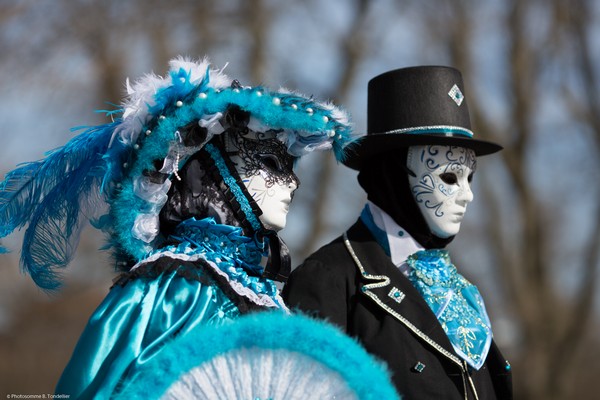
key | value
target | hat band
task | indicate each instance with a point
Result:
(440, 130)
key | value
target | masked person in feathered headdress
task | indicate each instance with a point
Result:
(197, 175)
(388, 280)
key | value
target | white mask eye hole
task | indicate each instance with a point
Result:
(470, 177)
(449, 178)
(271, 162)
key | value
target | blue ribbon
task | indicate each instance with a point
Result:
(236, 255)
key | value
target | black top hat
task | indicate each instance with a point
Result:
(416, 106)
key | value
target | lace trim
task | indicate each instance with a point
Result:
(260, 299)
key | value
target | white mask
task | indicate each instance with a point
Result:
(266, 169)
(442, 185)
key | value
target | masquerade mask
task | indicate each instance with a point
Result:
(441, 185)
(266, 169)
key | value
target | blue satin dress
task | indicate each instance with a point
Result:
(141, 315)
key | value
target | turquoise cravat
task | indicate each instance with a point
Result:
(456, 303)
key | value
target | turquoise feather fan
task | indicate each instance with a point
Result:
(264, 356)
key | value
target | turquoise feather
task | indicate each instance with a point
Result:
(48, 195)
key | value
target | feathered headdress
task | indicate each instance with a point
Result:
(110, 164)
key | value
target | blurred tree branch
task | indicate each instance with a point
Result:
(352, 53)
(578, 22)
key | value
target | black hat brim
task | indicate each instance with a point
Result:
(368, 147)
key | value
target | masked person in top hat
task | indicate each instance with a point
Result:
(388, 280)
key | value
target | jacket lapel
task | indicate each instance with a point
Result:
(385, 284)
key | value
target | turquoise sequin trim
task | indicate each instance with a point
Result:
(456, 303)
(231, 182)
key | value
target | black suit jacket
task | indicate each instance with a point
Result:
(356, 286)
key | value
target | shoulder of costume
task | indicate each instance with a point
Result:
(335, 252)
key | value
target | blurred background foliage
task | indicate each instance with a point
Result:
(531, 239)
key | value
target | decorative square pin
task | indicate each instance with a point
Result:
(419, 367)
(456, 95)
(396, 294)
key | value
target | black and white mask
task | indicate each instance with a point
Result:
(442, 185)
(266, 169)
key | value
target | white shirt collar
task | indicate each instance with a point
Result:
(401, 242)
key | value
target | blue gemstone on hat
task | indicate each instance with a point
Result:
(456, 95)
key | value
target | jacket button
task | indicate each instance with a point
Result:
(419, 367)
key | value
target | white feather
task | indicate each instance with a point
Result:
(140, 94)
(257, 373)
